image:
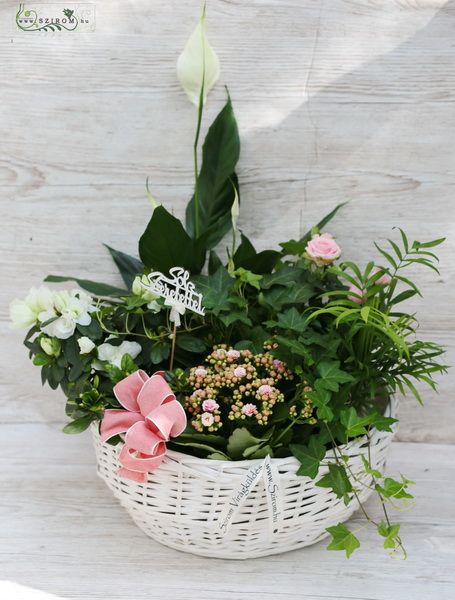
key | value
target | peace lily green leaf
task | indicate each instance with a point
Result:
(332, 376)
(342, 539)
(217, 181)
(165, 244)
(337, 480)
(98, 289)
(198, 66)
(258, 262)
(310, 457)
(323, 222)
(200, 446)
(128, 266)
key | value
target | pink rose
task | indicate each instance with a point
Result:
(249, 410)
(385, 278)
(359, 297)
(207, 419)
(240, 372)
(322, 249)
(210, 405)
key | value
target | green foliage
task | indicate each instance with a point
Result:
(217, 182)
(342, 539)
(337, 480)
(95, 288)
(128, 266)
(309, 456)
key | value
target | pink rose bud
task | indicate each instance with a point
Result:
(210, 405)
(207, 419)
(385, 278)
(322, 250)
(200, 372)
(359, 298)
(233, 354)
(240, 371)
(265, 389)
(249, 410)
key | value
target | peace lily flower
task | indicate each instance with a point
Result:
(177, 309)
(198, 66)
(114, 354)
(34, 307)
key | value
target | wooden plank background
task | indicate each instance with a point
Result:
(336, 100)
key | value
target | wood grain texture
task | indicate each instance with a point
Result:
(335, 100)
(62, 532)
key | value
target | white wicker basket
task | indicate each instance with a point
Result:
(183, 500)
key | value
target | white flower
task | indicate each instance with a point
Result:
(177, 309)
(114, 354)
(71, 309)
(34, 308)
(51, 346)
(85, 344)
(198, 64)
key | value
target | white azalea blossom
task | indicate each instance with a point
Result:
(70, 309)
(177, 309)
(33, 309)
(114, 354)
(85, 345)
(139, 289)
(198, 64)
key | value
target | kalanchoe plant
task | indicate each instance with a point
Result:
(296, 354)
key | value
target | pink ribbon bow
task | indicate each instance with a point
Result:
(153, 415)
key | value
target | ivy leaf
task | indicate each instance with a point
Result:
(373, 472)
(215, 289)
(240, 440)
(248, 277)
(332, 376)
(293, 247)
(292, 319)
(234, 317)
(285, 276)
(337, 480)
(390, 533)
(94, 287)
(355, 425)
(128, 266)
(284, 296)
(395, 489)
(381, 422)
(217, 182)
(165, 244)
(310, 457)
(342, 539)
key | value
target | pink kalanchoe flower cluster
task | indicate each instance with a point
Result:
(234, 385)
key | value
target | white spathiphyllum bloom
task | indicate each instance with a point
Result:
(198, 64)
(85, 345)
(114, 354)
(34, 307)
(71, 309)
(177, 309)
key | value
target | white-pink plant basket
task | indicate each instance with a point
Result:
(181, 503)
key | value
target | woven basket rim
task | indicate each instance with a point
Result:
(183, 458)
